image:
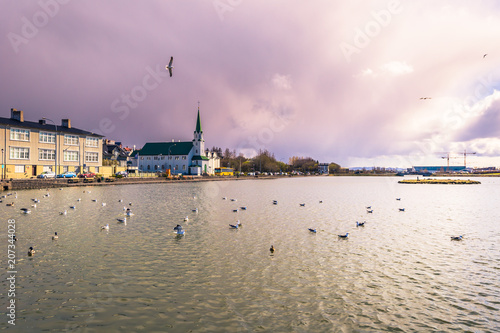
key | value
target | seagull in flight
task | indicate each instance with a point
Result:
(485, 55)
(170, 66)
(425, 97)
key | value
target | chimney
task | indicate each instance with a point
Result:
(16, 115)
(42, 122)
(66, 123)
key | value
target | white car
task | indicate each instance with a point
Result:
(47, 174)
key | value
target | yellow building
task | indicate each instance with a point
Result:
(30, 148)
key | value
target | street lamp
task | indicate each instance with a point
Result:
(3, 164)
(55, 152)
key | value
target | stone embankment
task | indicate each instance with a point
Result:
(26, 184)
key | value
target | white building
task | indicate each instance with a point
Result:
(182, 157)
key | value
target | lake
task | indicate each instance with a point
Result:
(400, 272)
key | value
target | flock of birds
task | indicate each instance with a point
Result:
(35, 201)
(178, 229)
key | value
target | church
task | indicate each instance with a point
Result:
(182, 157)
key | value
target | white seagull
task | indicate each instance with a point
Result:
(170, 66)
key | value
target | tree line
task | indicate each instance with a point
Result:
(265, 161)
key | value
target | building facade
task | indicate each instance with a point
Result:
(30, 148)
(181, 157)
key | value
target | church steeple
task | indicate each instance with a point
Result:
(198, 142)
(198, 122)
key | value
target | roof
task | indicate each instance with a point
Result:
(46, 127)
(166, 148)
(198, 123)
(198, 158)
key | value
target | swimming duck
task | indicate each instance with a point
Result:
(243, 208)
(321, 201)
(234, 226)
(186, 219)
(79, 199)
(302, 204)
(195, 210)
(178, 229)
(129, 213)
(72, 207)
(370, 211)
(235, 210)
(105, 227)
(94, 200)
(103, 204)
(120, 200)
(233, 199)
(275, 202)
(55, 237)
(312, 230)
(123, 220)
(224, 198)
(272, 249)
(25, 211)
(31, 251)
(63, 213)
(368, 207)
(344, 236)
(401, 209)
(399, 199)
(360, 224)
(10, 204)
(456, 238)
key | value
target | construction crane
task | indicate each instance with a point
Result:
(465, 153)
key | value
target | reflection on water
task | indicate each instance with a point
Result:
(400, 271)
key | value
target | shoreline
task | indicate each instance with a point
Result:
(34, 184)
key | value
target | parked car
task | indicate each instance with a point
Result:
(87, 175)
(47, 174)
(122, 173)
(67, 174)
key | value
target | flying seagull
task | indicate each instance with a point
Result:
(485, 55)
(169, 66)
(425, 97)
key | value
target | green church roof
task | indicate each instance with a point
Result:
(198, 158)
(198, 123)
(163, 148)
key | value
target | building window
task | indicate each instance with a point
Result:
(17, 153)
(65, 168)
(176, 157)
(71, 140)
(170, 157)
(19, 134)
(46, 137)
(91, 157)
(184, 167)
(183, 157)
(155, 158)
(149, 158)
(142, 158)
(96, 169)
(91, 142)
(70, 156)
(47, 168)
(46, 155)
(19, 169)
(149, 167)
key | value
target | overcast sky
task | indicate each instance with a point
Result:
(334, 80)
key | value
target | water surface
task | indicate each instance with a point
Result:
(400, 272)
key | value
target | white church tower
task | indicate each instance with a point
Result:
(198, 142)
